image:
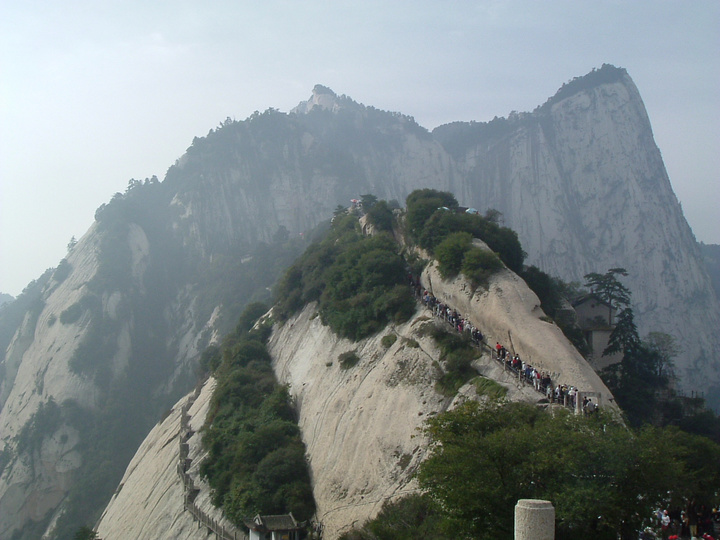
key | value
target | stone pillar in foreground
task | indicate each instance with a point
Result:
(534, 520)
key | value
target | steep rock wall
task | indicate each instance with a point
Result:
(297, 178)
(580, 179)
(149, 502)
(362, 425)
(40, 358)
(508, 312)
(583, 183)
(37, 480)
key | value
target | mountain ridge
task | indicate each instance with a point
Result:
(581, 181)
(362, 424)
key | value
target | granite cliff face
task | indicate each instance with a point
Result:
(117, 332)
(148, 502)
(35, 372)
(361, 426)
(245, 180)
(580, 179)
(77, 394)
(583, 183)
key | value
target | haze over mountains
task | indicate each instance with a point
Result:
(105, 343)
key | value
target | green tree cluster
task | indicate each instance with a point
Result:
(412, 517)
(604, 479)
(359, 282)
(479, 264)
(608, 288)
(456, 254)
(633, 380)
(62, 271)
(85, 533)
(381, 216)
(348, 359)
(26, 308)
(450, 253)
(553, 293)
(422, 204)
(456, 355)
(43, 423)
(432, 216)
(641, 381)
(256, 458)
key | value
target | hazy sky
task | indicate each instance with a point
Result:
(93, 93)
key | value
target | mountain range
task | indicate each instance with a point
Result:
(94, 351)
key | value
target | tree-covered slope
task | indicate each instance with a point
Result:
(169, 264)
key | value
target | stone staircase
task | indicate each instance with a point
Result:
(221, 532)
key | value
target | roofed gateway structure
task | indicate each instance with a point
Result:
(595, 318)
(280, 527)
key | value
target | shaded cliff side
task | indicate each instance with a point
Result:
(582, 182)
(361, 425)
(115, 332)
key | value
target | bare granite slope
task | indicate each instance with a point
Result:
(583, 183)
(361, 425)
(149, 502)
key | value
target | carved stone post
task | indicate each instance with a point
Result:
(534, 520)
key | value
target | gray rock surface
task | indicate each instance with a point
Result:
(362, 426)
(580, 179)
(148, 503)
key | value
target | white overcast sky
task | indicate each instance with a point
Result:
(93, 93)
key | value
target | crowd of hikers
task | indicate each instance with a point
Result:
(696, 521)
(693, 522)
(541, 381)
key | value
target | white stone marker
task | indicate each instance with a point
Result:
(534, 520)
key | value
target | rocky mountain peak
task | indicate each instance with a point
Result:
(607, 74)
(322, 97)
(580, 180)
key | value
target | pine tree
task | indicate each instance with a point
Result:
(607, 287)
(624, 337)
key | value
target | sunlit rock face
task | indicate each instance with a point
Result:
(583, 183)
(580, 179)
(362, 426)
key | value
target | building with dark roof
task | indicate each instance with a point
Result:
(279, 527)
(596, 320)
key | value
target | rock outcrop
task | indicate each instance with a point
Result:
(362, 426)
(508, 312)
(583, 183)
(52, 391)
(580, 179)
(36, 371)
(150, 501)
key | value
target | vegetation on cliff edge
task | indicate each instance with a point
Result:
(256, 458)
(359, 282)
(602, 478)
